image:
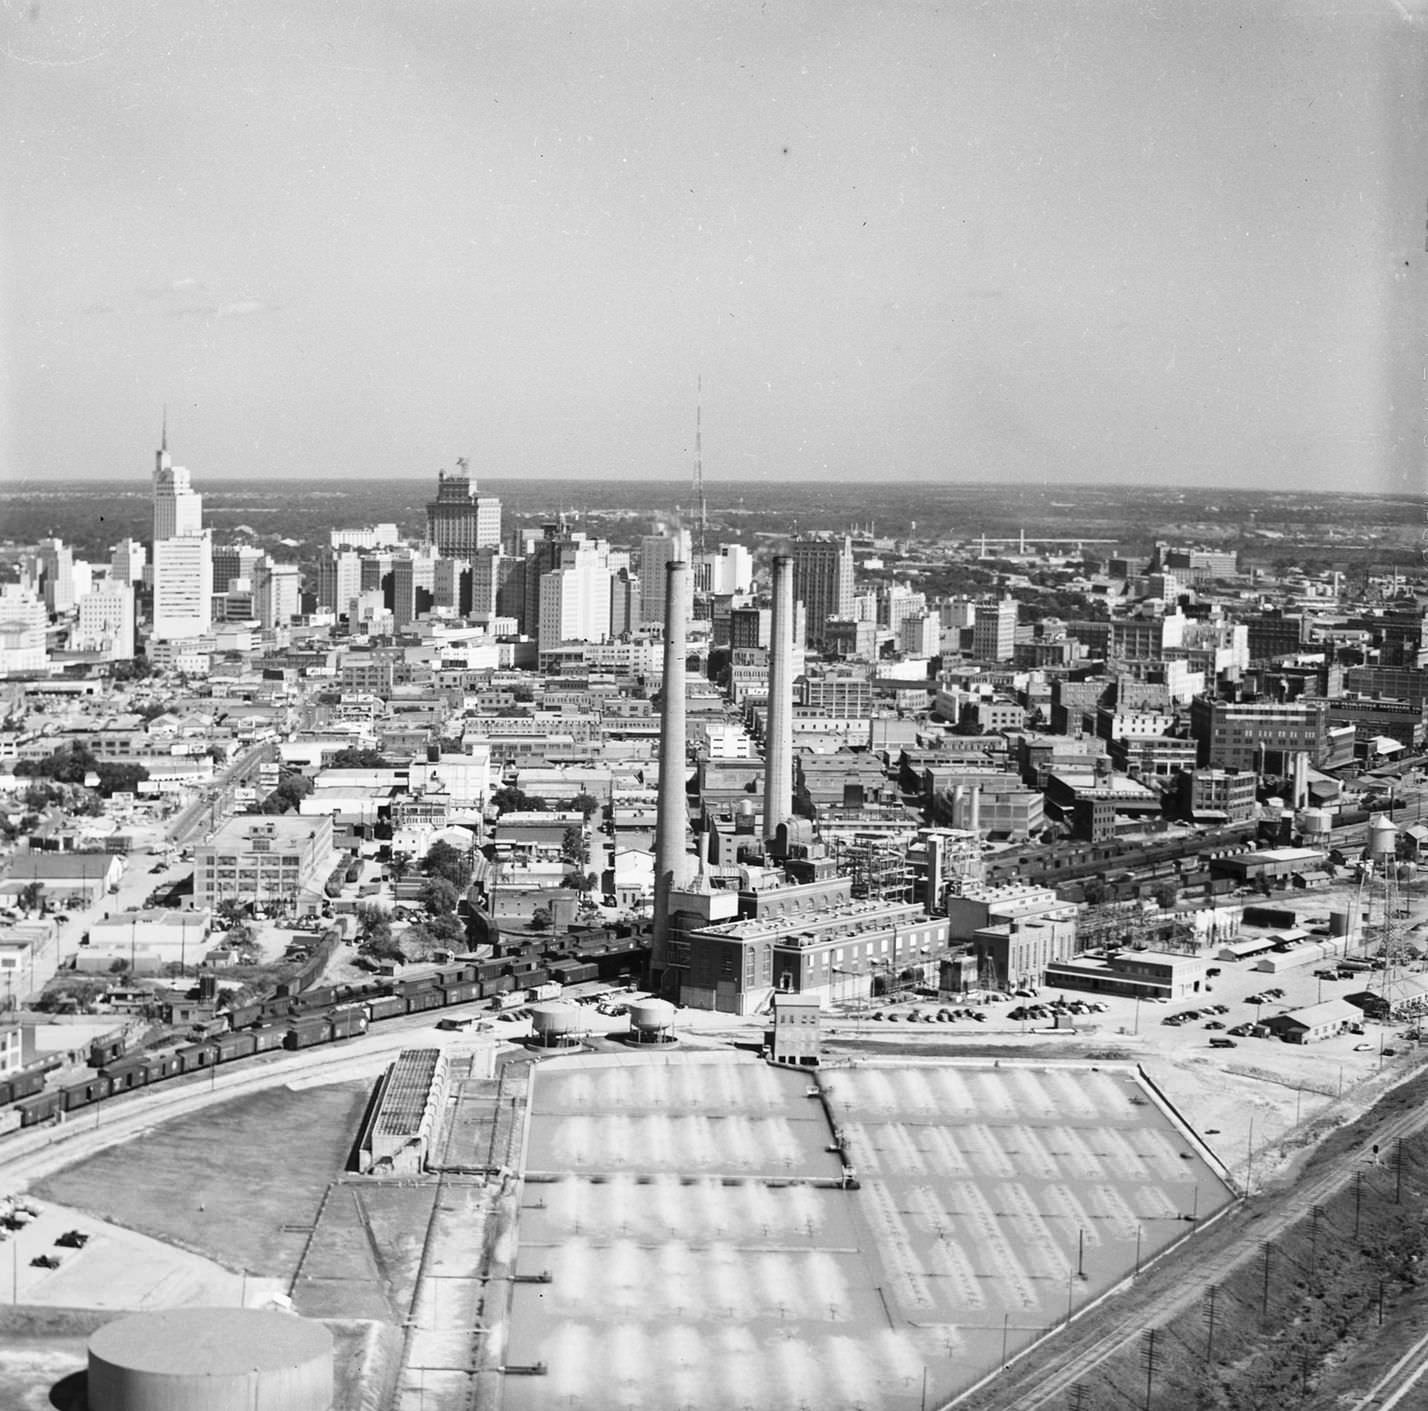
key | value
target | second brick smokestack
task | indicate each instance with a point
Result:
(672, 862)
(778, 737)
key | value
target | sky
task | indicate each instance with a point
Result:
(1021, 242)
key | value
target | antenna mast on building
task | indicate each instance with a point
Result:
(701, 508)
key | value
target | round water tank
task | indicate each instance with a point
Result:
(1382, 837)
(651, 1016)
(1315, 821)
(554, 1020)
(210, 1359)
(1338, 923)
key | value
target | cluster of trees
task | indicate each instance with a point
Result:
(353, 758)
(291, 791)
(73, 764)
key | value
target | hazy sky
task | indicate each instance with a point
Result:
(954, 241)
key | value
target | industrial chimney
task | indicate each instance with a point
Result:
(672, 863)
(778, 734)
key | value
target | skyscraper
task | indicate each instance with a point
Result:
(823, 580)
(657, 551)
(459, 521)
(178, 509)
(183, 586)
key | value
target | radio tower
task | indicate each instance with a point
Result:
(701, 509)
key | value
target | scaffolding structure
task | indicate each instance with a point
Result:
(877, 868)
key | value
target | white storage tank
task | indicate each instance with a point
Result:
(210, 1359)
(1382, 838)
(555, 1022)
(1315, 822)
(652, 1021)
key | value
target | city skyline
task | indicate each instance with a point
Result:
(958, 245)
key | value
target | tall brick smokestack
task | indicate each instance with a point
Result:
(778, 736)
(672, 862)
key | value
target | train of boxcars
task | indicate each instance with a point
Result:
(326, 1014)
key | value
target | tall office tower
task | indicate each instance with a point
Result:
(183, 582)
(994, 630)
(178, 509)
(823, 580)
(339, 579)
(624, 602)
(730, 570)
(54, 564)
(459, 521)
(657, 551)
(413, 586)
(106, 621)
(232, 561)
(497, 582)
(126, 563)
(278, 590)
(451, 585)
(575, 598)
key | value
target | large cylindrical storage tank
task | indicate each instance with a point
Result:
(555, 1022)
(1315, 822)
(1339, 924)
(652, 1021)
(210, 1359)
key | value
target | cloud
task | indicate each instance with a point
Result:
(184, 284)
(240, 308)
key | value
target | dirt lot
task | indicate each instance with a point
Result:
(239, 1184)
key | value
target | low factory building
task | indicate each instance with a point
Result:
(1144, 974)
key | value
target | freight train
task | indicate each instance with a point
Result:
(326, 1014)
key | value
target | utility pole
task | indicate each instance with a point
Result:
(1147, 1352)
(1210, 1321)
(1264, 1296)
(1398, 1172)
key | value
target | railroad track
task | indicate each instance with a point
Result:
(1184, 1281)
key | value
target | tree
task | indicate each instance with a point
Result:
(513, 800)
(443, 860)
(374, 927)
(31, 896)
(353, 758)
(289, 793)
(447, 929)
(572, 846)
(540, 919)
(586, 804)
(439, 896)
(399, 865)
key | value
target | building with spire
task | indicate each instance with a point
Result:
(178, 508)
(183, 553)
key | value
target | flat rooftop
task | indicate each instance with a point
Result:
(685, 1238)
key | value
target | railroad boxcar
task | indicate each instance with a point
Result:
(309, 1032)
(267, 1037)
(135, 1071)
(449, 975)
(419, 1000)
(497, 985)
(22, 1084)
(197, 1056)
(349, 1021)
(40, 1107)
(319, 997)
(103, 1051)
(277, 1007)
(462, 993)
(386, 1007)
(418, 982)
(82, 1094)
(244, 1016)
(231, 1046)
